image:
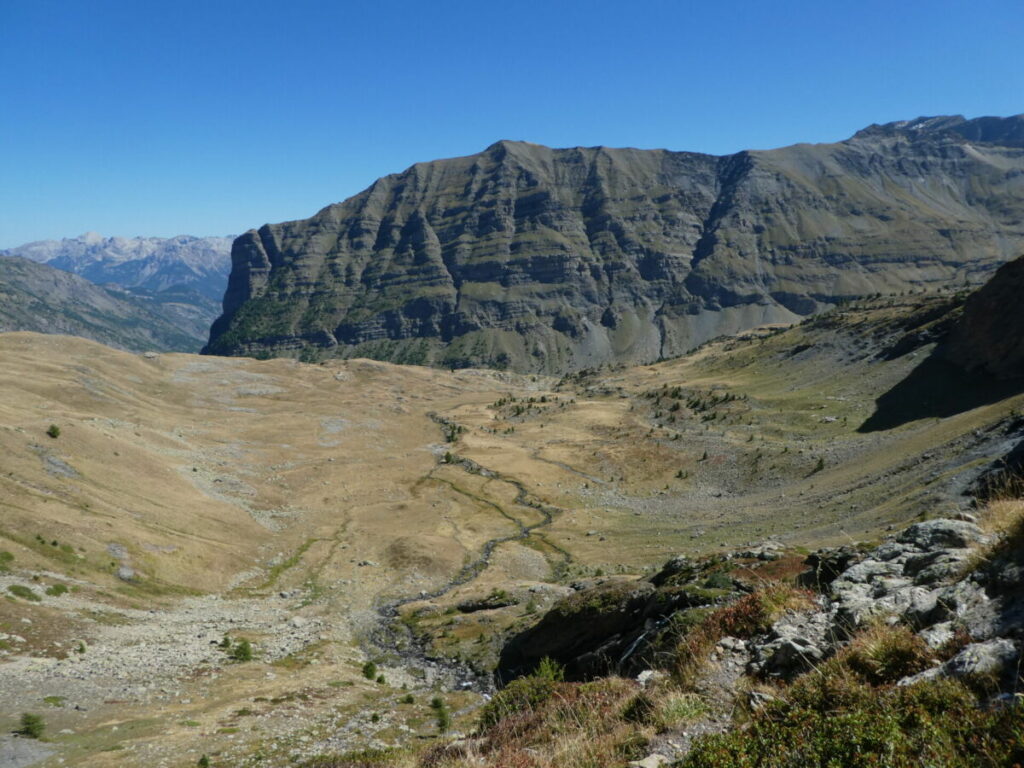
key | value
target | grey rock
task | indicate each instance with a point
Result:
(869, 570)
(922, 607)
(992, 657)
(893, 551)
(825, 565)
(938, 534)
(937, 635)
(938, 565)
(653, 760)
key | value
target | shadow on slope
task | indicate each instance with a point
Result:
(937, 388)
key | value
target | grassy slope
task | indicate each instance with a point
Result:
(304, 471)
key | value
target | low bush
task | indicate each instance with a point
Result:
(525, 694)
(829, 720)
(32, 726)
(25, 593)
(242, 651)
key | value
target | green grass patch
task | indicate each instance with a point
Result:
(25, 593)
(275, 571)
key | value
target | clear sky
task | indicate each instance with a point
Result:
(139, 117)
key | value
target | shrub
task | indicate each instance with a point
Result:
(444, 720)
(53, 431)
(522, 695)
(18, 590)
(32, 726)
(718, 580)
(242, 651)
(56, 590)
(370, 670)
(931, 723)
(549, 669)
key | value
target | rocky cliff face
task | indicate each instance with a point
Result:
(551, 260)
(989, 336)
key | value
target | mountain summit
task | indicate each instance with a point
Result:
(541, 259)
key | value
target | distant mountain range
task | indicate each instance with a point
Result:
(541, 259)
(176, 283)
(37, 297)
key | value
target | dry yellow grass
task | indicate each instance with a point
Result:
(245, 478)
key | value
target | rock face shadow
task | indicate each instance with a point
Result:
(937, 388)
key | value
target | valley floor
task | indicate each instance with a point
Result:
(191, 499)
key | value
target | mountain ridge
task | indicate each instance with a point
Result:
(146, 264)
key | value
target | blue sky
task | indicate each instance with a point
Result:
(147, 118)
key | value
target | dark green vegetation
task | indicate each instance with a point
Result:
(25, 593)
(840, 718)
(32, 725)
(536, 259)
(242, 651)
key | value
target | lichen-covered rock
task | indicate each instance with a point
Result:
(992, 657)
(942, 534)
(795, 644)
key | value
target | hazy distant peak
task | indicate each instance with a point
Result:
(146, 263)
(1003, 131)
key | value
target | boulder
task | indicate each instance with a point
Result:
(825, 565)
(942, 534)
(994, 657)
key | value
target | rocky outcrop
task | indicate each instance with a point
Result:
(616, 624)
(989, 337)
(922, 577)
(543, 259)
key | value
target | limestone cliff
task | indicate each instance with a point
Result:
(545, 259)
